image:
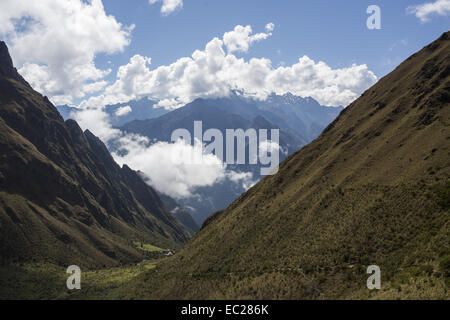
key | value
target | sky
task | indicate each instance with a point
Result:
(331, 31)
(92, 53)
(72, 50)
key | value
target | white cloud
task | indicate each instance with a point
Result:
(425, 10)
(212, 72)
(216, 71)
(270, 27)
(54, 43)
(94, 87)
(171, 168)
(123, 111)
(98, 122)
(168, 6)
(271, 146)
(175, 177)
(244, 178)
(240, 39)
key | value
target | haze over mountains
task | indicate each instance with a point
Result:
(63, 199)
(373, 189)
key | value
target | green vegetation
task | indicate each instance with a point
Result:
(327, 260)
(32, 281)
(148, 247)
(441, 194)
(48, 281)
(97, 284)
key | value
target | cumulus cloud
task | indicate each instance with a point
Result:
(98, 122)
(212, 72)
(216, 71)
(54, 43)
(425, 10)
(240, 39)
(175, 169)
(123, 111)
(168, 6)
(243, 178)
(271, 146)
(270, 27)
(167, 168)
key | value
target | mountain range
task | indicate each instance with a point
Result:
(372, 189)
(221, 194)
(300, 121)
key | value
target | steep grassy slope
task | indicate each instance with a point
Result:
(372, 189)
(63, 199)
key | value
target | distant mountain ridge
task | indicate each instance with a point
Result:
(303, 117)
(221, 194)
(300, 121)
(161, 129)
(63, 198)
(236, 112)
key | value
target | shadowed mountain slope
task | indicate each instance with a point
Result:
(63, 199)
(373, 189)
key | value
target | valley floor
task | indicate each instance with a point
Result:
(48, 281)
(43, 281)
